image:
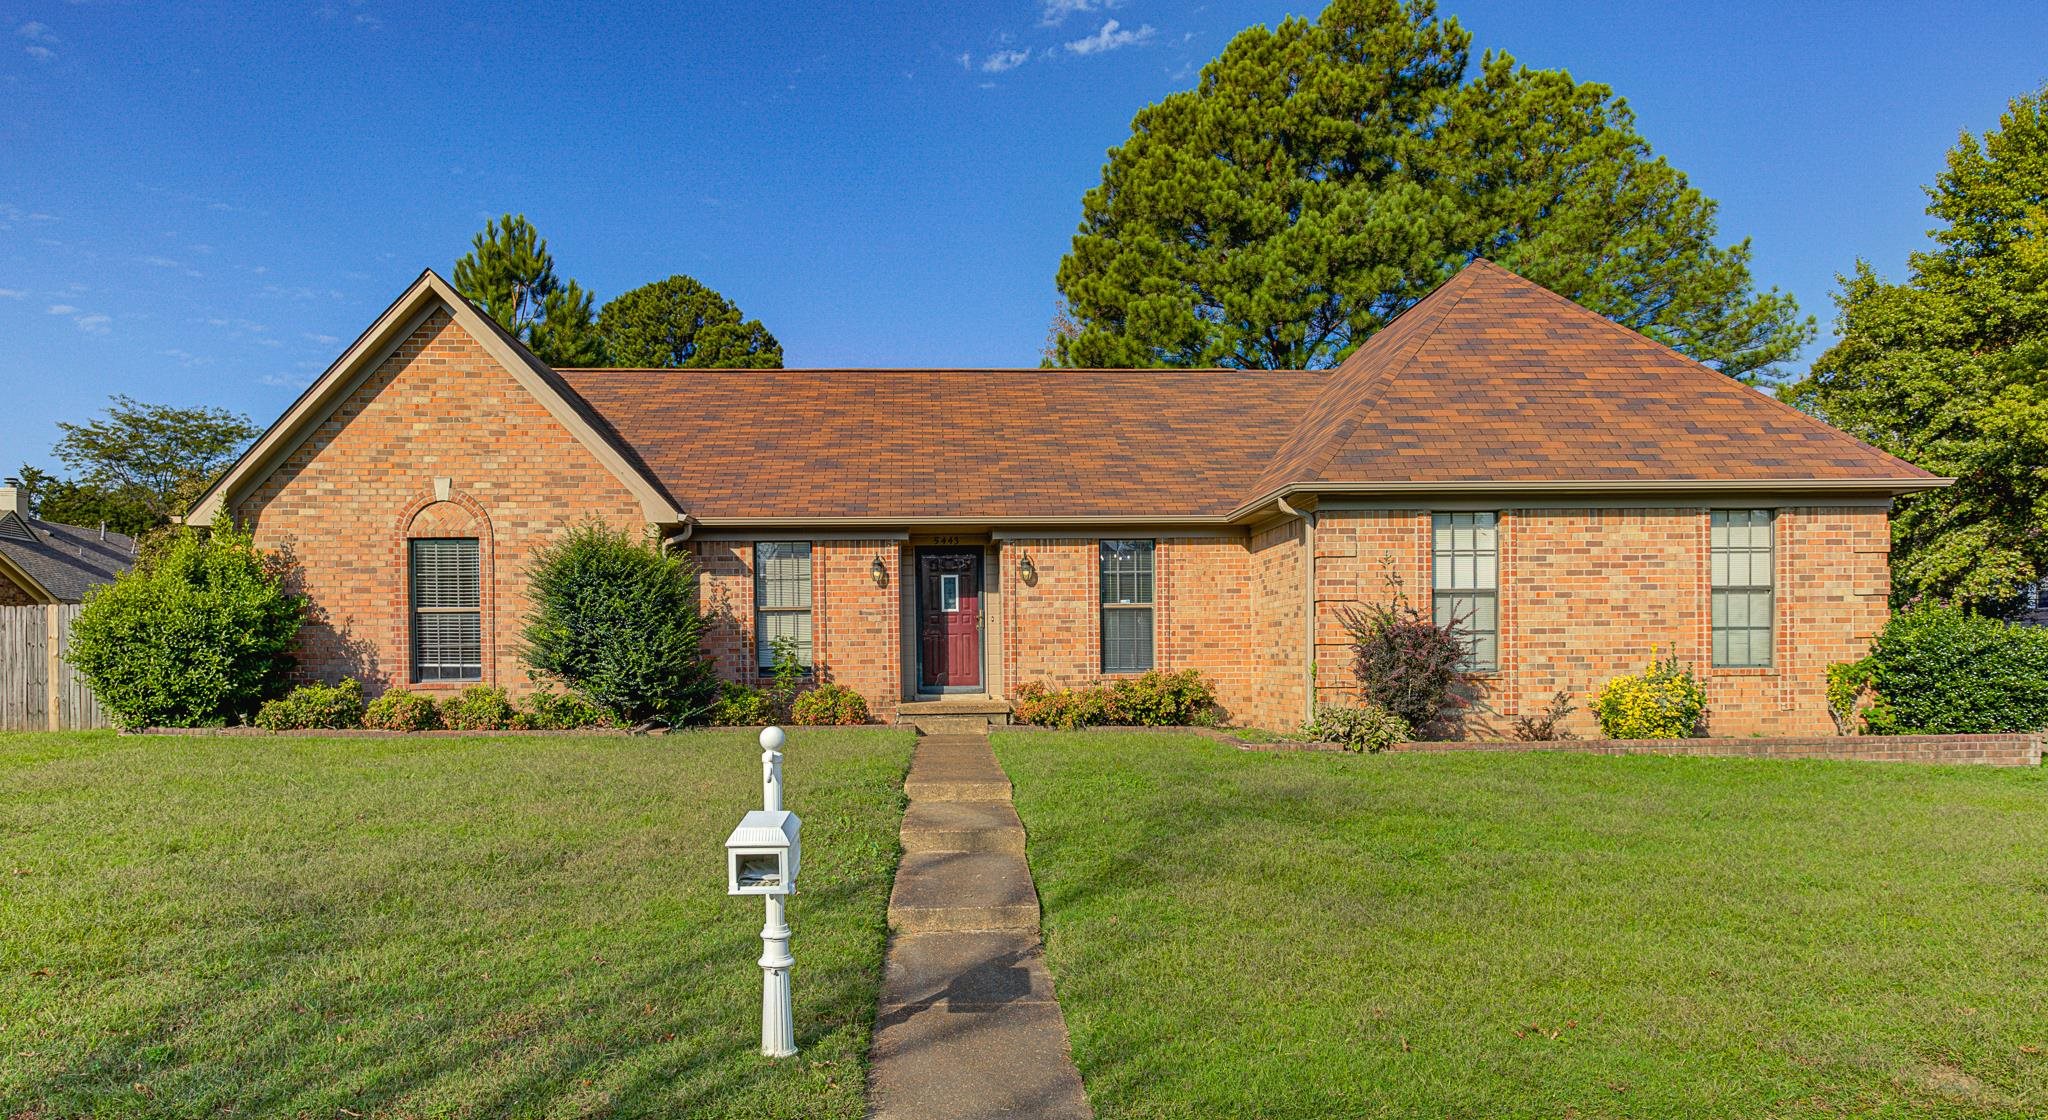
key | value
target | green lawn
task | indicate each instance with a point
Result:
(428, 927)
(1544, 935)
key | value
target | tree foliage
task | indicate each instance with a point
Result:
(679, 323)
(1950, 369)
(618, 622)
(1323, 176)
(510, 276)
(138, 463)
(200, 633)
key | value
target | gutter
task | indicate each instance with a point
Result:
(1593, 487)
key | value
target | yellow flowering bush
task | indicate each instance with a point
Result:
(1663, 701)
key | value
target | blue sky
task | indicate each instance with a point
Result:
(201, 203)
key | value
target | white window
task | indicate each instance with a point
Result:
(782, 598)
(1126, 606)
(447, 610)
(1466, 575)
(1740, 553)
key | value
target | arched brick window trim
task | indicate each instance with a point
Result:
(405, 529)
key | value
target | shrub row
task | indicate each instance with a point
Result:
(1945, 670)
(826, 705)
(477, 708)
(1154, 699)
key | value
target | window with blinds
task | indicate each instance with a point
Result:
(1126, 606)
(782, 598)
(447, 610)
(1740, 556)
(1466, 576)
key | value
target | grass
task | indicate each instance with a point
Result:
(428, 927)
(1553, 935)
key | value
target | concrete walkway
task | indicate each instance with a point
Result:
(968, 1025)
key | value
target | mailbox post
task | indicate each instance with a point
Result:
(762, 855)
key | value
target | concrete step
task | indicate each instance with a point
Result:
(955, 768)
(945, 892)
(954, 715)
(980, 968)
(1001, 1062)
(962, 826)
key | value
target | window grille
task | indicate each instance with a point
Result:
(1466, 576)
(1740, 554)
(1127, 568)
(782, 598)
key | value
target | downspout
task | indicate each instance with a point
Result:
(689, 527)
(1308, 608)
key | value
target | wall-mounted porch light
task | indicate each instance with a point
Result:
(876, 570)
(1027, 571)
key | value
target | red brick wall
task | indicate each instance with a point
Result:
(1589, 594)
(363, 482)
(855, 625)
(1052, 628)
(1277, 611)
(13, 594)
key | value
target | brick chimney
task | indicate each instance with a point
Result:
(13, 499)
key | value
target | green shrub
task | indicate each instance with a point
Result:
(740, 706)
(1153, 699)
(1663, 701)
(1847, 681)
(1365, 728)
(399, 710)
(786, 676)
(618, 621)
(480, 707)
(827, 705)
(315, 706)
(1157, 699)
(1037, 702)
(561, 711)
(200, 634)
(1940, 670)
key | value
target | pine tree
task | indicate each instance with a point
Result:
(510, 276)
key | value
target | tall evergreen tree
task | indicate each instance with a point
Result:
(510, 275)
(1323, 176)
(1950, 369)
(679, 323)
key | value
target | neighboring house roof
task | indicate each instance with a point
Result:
(63, 561)
(1489, 385)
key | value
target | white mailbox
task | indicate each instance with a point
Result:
(762, 855)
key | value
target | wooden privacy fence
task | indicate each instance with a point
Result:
(39, 690)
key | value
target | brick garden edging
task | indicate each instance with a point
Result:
(1960, 750)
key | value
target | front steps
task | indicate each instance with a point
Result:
(954, 715)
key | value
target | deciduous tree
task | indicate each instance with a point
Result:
(1949, 369)
(139, 465)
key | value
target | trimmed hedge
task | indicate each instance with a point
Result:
(1942, 670)
(315, 707)
(1153, 699)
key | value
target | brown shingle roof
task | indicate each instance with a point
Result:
(942, 444)
(1490, 378)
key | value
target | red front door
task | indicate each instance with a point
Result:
(949, 620)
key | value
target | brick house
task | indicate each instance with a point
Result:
(43, 562)
(1579, 494)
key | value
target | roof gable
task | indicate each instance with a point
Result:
(426, 295)
(1494, 379)
(59, 563)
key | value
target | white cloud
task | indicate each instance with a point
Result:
(966, 60)
(1003, 60)
(12, 293)
(62, 309)
(322, 339)
(94, 324)
(286, 380)
(159, 262)
(40, 40)
(1111, 37)
(1055, 12)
